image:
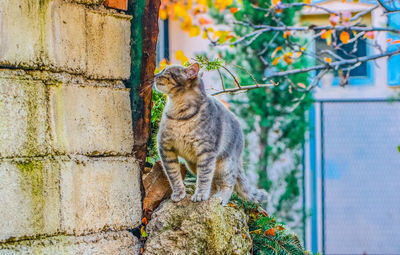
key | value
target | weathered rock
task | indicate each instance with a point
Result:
(110, 243)
(84, 195)
(157, 187)
(63, 36)
(197, 228)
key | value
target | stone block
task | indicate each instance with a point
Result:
(45, 196)
(90, 2)
(99, 194)
(23, 117)
(29, 198)
(65, 36)
(65, 42)
(90, 120)
(110, 243)
(108, 51)
(22, 29)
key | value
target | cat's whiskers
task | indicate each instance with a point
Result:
(145, 89)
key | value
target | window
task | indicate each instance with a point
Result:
(361, 50)
(394, 61)
(163, 41)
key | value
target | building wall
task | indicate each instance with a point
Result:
(68, 181)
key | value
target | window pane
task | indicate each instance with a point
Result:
(394, 62)
(346, 53)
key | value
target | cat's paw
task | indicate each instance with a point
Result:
(178, 195)
(219, 197)
(197, 197)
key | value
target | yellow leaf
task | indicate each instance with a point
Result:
(187, 23)
(276, 51)
(194, 31)
(307, 1)
(298, 54)
(143, 232)
(275, 2)
(301, 85)
(204, 21)
(196, 11)
(327, 35)
(276, 60)
(344, 37)
(179, 10)
(279, 227)
(163, 64)
(204, 34)
(396, 42)
(163, 14)
(234, 10)
(221, 35)
(202, 2)
(286, 34)
(328, 60)
(258, 231)
(222, 4)
(179, 55)
(287, 57)
(269, 232)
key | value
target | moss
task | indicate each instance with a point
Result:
(32, 183)
(59, 113)
(43, 11)
(31, 146)
(197, 228)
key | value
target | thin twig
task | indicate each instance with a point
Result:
(222, 79)
(251, 76)
(332, 65)
(360, 14)
(233, 76)
(242, 88)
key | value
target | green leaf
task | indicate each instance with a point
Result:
(143, 232)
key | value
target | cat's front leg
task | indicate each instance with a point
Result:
(172, 169)
(205, 173)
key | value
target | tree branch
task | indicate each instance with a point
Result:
(332, 65)
(242, 88)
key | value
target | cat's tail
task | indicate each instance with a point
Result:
(248, 192)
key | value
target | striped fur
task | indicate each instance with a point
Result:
(205, 134)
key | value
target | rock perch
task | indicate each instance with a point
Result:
(197, 228)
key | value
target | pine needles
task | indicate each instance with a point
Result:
(269, 236)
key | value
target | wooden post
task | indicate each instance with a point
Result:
(144, 30)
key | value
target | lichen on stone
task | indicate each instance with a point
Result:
(32, 183)
(197, 228)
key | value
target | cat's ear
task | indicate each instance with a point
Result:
(192, 71)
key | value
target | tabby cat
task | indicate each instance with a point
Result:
(203, 132)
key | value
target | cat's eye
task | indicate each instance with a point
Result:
(175, 79)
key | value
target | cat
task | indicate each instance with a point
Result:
(202, 131)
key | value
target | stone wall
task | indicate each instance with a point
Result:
(68, 181)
